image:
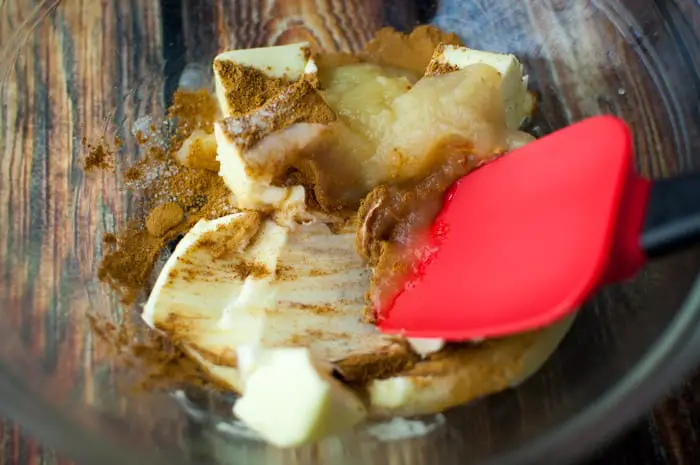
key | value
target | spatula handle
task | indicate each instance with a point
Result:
(656, 218)
(672, 219)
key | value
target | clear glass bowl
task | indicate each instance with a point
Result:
(80, 68)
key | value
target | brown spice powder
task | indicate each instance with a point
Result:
(251, 269)
(132, 174)
(109, 238)
(128, 268)
(161, 362)
(99, 156)
(247, 88)
(437, 69)
(237, 238)
(190, 111)
(297, 103)
(409, 51)
(163, 218)
(193, 110)
(200, 194)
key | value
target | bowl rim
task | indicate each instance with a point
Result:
(663, 367)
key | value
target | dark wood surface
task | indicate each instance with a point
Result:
(88, 46)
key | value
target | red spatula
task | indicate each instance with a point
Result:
(524, 240)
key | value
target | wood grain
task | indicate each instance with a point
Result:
(75, 69)
(93, 68)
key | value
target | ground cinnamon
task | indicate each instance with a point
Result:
(296, 103)
(438, 68)
(161, 180)
(238, 238)
(163, 218)
(132, 174)
(200, 193)
(100, 155)
(247, 88)
(191, 111)
(410, 51)
(109, 239)
(128, 268)
(161, 363)
(172, 199)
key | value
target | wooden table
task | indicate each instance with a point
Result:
(156, 39)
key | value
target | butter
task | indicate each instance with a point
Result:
(307, 290)
(518, 102)
(425, 346)
(255, 148)
(192, 284)
(289, 400)
(249, 173)
(257, 294)
(291, 62)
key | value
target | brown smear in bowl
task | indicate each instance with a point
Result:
(393, 218)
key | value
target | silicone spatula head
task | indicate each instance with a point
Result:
(520, 242)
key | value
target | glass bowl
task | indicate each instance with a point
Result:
(82, 69)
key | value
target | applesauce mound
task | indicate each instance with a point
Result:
(388, 125)
(361, 88)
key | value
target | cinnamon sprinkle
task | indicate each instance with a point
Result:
(235, 239)
(297, 103)
(247, 88)
(163, 218)
(100, 156)
(161, 180)
(409, 51)
(162, 363)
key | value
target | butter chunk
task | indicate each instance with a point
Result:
(290, 400)
(206, 273)
(243, 280)
(257, 294)
(280, 65)
(425, 346)
(199, 151)
(517, 101)
(255, 148)
(252, 187)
